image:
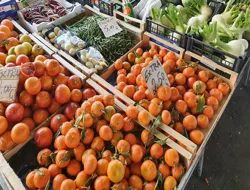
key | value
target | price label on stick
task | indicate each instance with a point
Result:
(9, 77)
(155, 76)
(109, 27)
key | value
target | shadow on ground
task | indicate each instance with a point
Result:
(227, 155)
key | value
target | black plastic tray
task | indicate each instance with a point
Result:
(107, 7)
(169, 34)
(218, 56)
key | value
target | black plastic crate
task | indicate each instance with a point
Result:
(104, 6)
(174, 36)
(82, 2)
(166, 33)
(218, 56)
(108, 7)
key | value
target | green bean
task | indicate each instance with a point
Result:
(112, 47)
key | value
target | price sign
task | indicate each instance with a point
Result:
(109, 27)
(9, 77)
(155, 76)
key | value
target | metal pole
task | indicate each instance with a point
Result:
(248, 73)
(200, 163)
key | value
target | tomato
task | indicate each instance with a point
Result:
(57, 121)
(14, 112)
(88, 93)
(61, 79)
(43, 137)
(54, 106)
(74, 82)
(70, 110)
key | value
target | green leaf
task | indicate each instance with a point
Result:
(125, 154)
(41, 157)
(66, 156)
(79, 120)
(5, 42)
(137, 55)
(41, 173)
(162, 141)
(57, 133)
(200, 104)
(185, 133)
(175, 114)
(48, 161)
(182, 174)
(83, 133)
(48, 185)
(198, 88)
(154, 127)
(53, 157)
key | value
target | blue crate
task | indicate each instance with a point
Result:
(8, 8)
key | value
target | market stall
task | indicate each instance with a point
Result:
(93, 101)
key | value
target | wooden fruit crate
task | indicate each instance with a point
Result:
(144, 43)
(188, 153)
(88, 11)
(132, 21)
(66, 65)
(229, 77)
(18, 27)
(217, 70)
(118, 105)
(8, 178)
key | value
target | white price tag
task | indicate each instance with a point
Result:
(155, 76)
(109, 27)
(9, 77)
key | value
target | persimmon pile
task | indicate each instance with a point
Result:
(102, 149)
(44, 86)
(188, 104)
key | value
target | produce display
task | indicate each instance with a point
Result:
(51, 34)
(242, 4)
(192, 13)
(44, 12)
(44, 86)
(187, 105)
(87, 138)
(102, 148)
(226, 31)
(69, 43)
(112, 47)
(92, 59)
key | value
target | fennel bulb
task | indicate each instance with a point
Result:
(234, 47)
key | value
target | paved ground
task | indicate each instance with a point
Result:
(227, 155)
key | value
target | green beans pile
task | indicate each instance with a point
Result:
(112, 47)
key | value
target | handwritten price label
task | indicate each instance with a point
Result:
(155, 76)
(109, 27)
(9, 77)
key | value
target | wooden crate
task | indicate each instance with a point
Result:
(188, 153)
(8, 178)
(132, 21)
(231, 79)
(18, 27)
(89, 11)
(145, 43)
(9, 154)
(62, 62)
(191, 147)
(118, 105)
